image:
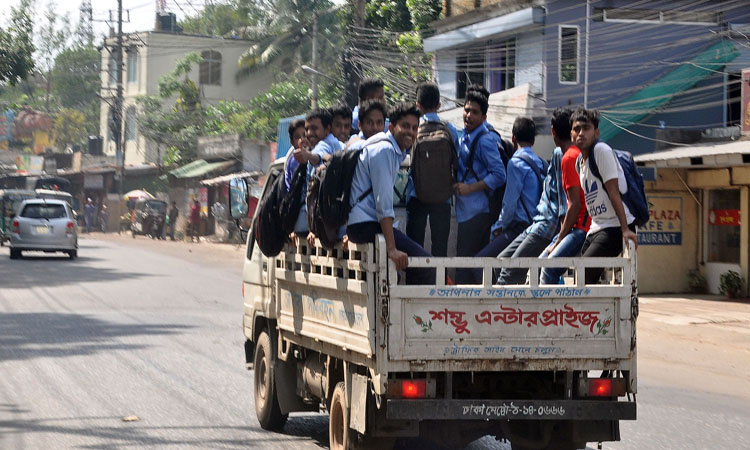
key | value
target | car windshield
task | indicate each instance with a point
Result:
(43, 211)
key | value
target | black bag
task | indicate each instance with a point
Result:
(269, 233)
(434, 163)
(291, 204)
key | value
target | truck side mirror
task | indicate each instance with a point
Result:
(238, 192)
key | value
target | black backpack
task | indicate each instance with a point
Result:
(291, 204)
(434, 163)
(328, 193)
(269, 233)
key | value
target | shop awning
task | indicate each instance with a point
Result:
(227, 178)
(199, 168)
(644, 102)
(720, 154)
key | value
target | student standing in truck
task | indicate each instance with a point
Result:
(369, 89)
(610, 218)
(551, 208)
(372, 115)
(372, 192)
(434, 136)
(480, 172)
(341, 126)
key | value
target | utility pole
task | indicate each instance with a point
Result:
(315, 61)
(351, 73)
(119, 147)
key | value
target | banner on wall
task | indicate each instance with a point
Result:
(724, 217)
(664, 226)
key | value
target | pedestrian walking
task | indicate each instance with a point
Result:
(89, 210)
(195, 220)
(172, 219)
(103, 217)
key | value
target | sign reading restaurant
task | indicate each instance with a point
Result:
(664, 225)
(222, 146)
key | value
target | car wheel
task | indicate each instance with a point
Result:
(73, 254)
(15, 253)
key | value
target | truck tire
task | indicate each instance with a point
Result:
(339, 434)
(266, 403)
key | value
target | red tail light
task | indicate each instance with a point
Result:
(600, 387)
(16, 227)
(71, 227)
(414, 388)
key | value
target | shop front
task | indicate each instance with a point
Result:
(699, 201)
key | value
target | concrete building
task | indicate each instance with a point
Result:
(150, 55)
(645, 65)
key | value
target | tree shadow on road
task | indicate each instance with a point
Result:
(51, 271)
(33, 335)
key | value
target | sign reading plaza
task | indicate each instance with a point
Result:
(664, 226)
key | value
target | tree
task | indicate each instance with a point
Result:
(16, 45)
(77, 81)
(53, 36)
(69, 128)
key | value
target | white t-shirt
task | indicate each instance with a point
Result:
(598, 204)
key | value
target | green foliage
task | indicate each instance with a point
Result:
(392, 15)
(76, 82)
(16, 45)
(696, 281)
(69, 128)
(423, 12)
(730, 284)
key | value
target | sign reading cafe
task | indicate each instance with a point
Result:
(664, 226)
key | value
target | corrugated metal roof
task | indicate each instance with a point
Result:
(720, 154)
(198, 168)
(231, 176)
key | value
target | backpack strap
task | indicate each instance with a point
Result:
(538, 172)
(470, 162)
(369, 191)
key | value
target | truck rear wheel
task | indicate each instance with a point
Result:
(266, 403)
(338, 426)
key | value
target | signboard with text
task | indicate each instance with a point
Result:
(223, 146)
(724, 217)
(664, 226)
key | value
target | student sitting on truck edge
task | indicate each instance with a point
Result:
(476, 180)
(576, 223)
(610, 218)
(377, 171)
(552, 206)
(417, 211)
(296, 135)
(324, 143)
(369, 89)
(341, 126)
(371, 120)
(522, 191)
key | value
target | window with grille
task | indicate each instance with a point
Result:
(210, 68)
(132, 66)
(568, 61)
(130, 125)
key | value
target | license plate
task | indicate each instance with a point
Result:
(41, 230)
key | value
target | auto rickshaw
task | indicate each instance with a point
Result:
(10, 200)
(148, 218)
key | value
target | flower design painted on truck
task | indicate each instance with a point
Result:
(602, 328)
(426, 326)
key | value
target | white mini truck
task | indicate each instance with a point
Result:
(542, 366)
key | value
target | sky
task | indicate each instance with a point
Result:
(142, 12)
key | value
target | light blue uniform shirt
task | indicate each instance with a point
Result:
(521, 190)
(430, 117)
(488, 167)
(553, 204)
(377, 169)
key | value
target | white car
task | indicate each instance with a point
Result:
(44, 225)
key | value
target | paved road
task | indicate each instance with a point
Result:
(152, 330)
